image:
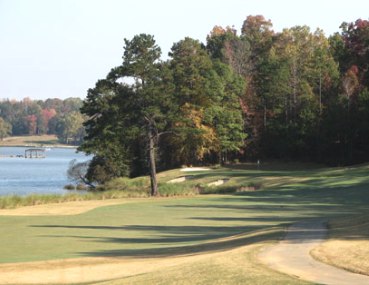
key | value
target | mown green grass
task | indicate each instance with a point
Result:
(164, 226)
(171, 226)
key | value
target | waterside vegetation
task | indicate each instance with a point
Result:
(238, 179)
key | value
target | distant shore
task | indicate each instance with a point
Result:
(47, 141)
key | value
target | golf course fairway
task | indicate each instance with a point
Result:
(204, 239)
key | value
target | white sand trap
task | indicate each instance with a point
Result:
(180, 179)
(218, 182)
(188, 169)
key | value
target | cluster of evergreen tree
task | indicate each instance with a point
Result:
(37, 117)
(294, 94)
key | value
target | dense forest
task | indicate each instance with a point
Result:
(294, 95)
(37, 117)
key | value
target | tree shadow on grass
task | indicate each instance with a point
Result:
(274, 207)
(270, 210)
(166, 240)
(206, 246)
(323, 199)
(158, 234)
(282, 221)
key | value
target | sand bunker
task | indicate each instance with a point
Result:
(189, 169)
(180, 179)
(218, 182)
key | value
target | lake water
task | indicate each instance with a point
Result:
(22, 176)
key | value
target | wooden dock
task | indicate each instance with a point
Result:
(35, 153)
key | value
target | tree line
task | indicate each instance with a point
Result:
(294, 94)
(37, 117)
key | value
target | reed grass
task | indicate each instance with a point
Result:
(16, 201)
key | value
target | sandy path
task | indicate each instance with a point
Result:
(65, 208)
(292, 256)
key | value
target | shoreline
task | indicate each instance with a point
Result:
(37, 141)
(40, 145)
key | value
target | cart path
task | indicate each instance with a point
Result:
(292, 256)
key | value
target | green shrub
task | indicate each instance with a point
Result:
(124, 183)
(69, 187)
(252, 186)
(81, 187)
(217, 190)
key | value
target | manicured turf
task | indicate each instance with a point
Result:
(173, 226)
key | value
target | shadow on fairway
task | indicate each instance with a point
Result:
(246, 218)
(172, 250)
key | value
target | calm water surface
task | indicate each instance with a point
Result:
(22, 176)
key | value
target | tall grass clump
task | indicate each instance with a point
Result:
(217, 190)
(177, 189)
(136, 187)
(230, 188)
(15, 201)
(115, 189)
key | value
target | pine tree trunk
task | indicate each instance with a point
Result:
(265, 115)
(154, 184)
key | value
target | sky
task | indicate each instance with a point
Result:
(60, 48)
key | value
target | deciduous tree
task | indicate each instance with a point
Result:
(5, 129)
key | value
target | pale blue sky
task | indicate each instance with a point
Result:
(59, 48)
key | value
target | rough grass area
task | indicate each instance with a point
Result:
(229, 268)
(15, 201)
(348, 244)
(116, 189)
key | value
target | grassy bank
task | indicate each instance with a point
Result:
(328, 184)
(15, 201)
(116, 189)
(34, 141)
